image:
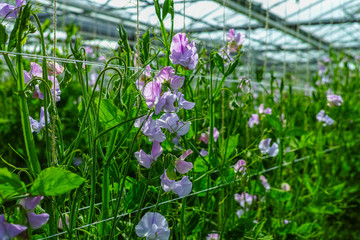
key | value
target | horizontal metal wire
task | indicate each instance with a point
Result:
(191, 194)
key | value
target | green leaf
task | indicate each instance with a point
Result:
(133, 197)
(3, 36)
(146, 45)
(10, 184)
(232, 142)
(165, 9)
(232, 66)
(296, 132)
(55, 181)
(280, 195)
(274, 122)
(259, 227)
(109, 114)
(157, 9)
(219, 62)
(256, 187)
(200, 165)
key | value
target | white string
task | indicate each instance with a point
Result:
(191, 194)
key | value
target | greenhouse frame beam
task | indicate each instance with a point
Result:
(275, 21)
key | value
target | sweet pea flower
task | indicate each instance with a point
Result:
(205, 136)
(239, 213)
(150, 128)
(264, 111)
(224, 52)
(244, 199)
(57, 69)
(321, 117)
(240, 166)
(171, 122)
(141, 81)
(264, 182)
(88, 50)
(145, 159)
(37, 126)
(204, 153)
(152, 92)
(10, 11)
(182, 52)
(165, 74)
(8, 230)
(153, 226)
(334, 100)
(181, 165)
(35, 70)
(35, 220)
(183, 103)
(254, 119)
(265, 148)
(285, 187)
(213, 236)
(166, 103)
(67, 221)
(182, 188)
(235, 41)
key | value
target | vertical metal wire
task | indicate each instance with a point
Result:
(285, 44)
(54, 86)
(249, 36)
(266, 39)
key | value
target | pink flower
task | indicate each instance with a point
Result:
(30, 203)
(244, 199)
(145, 159)
(264, 111)
(152, 93)
(57, 69)
(235, 41)
(67, 219)
(264, 182)
(213, 236)
(181, 165)
(182, 52)
(334, 100)
(205, 136)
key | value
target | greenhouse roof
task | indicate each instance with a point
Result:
(296, 31)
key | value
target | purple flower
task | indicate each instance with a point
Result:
(165, 74)
(88, 50)
(150, 128)
(145, 159)
(8, 230)
(244, 199)
(37, 126)
(254, 119)
(35, 70)
(235, 41)
(141, 81)
(265, 148)
(171, 122)
(285, 187)
(183, 103)
(27, 77)
(30, 203)
(154, 226)
(152, 92)
(286, 221)
(334, 100)
(10, 11)
(213, 236)
(205, 136)
(165, 103)
(181, 165)
(203, 152)
(239, 213)
(181, 188)
(321, 117)
(182, 52)
(240, 166)
(264, 182)
(264, 111)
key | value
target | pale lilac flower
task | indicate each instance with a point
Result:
(264, 182)
(334, 100)
(239, 213)
(165, 74)
(171, 122)
(182, 52)
(93, 78)
(265, 148)
(322, 69)
(88, 50)
(10, 11)
(254, 119)
(286, 221)
(244, 199)
(235, 41)
(54, 70)
(67, 221)
(166, 103)
(57, 90)
(321, 117)
(102, 58)
(153, 226)
(181, 165)
(27, 77)
(152, 92)
(35, 70)
(8, 230)
(205, 136)
(204, 153)
(145, 159)
(264, 111)
(35, 220)
(150, 128)
(213, 236)
(141, 81)
(285, 187)
(182, 188)
(37, 126)
(183, 103)
(240, 166)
